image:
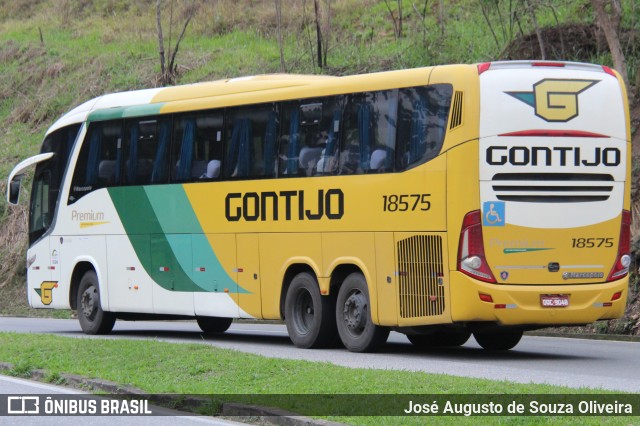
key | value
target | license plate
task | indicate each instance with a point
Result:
(554, 300)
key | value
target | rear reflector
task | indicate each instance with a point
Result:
(485, 297)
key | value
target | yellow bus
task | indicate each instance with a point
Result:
(438, 202)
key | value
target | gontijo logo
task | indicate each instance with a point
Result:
(46, 291)
(555, 100)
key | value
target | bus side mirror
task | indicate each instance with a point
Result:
(14, 190)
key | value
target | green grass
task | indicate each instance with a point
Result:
(160, 367)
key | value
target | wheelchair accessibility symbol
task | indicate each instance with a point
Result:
(493, 213)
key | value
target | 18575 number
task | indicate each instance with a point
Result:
(406, 202)
(591, 242)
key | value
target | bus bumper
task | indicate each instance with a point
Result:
(521, 304)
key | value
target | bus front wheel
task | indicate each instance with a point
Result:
(501, 340)
(353, 317)
(93, 319)
(308, 315)
(214, 324)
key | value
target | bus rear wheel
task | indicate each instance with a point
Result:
(501, 340)
(93, 319)
(353, 317)
(440, 338)
(308, 315)
(214, 324)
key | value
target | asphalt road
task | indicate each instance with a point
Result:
(574, 363)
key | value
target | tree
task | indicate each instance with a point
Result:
(322, 22)
(280, 45)
(168, 69)
(608, 19)
(532, 11)
(397, 23)
(318, 16)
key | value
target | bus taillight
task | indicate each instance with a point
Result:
(608, 71)
(483, 67)
(471, 258)
(623, 259)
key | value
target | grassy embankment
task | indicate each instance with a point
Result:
(160, 367)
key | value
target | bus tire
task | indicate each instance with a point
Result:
(308, 315)
(93, 319)
(440, 338)
(353, 317)
(214, 324)
(498, 340)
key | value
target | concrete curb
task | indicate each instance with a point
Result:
(239, 412)
(609, 337)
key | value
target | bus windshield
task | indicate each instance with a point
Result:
(47, 180)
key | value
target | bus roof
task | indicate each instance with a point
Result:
(234, 91)
(182, 92)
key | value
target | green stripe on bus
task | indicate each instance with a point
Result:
(155, 253)
(123, 112)
(175, 239)
(174, 213)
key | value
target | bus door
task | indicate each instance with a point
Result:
(215, 274)
(40, 260)
(171, 266)
(130, 289)
(43, 274)
(248, 254)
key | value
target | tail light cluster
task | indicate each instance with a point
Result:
(623, 259)
(471, 257)
(472, 260)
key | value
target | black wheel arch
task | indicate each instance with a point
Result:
(78, 272)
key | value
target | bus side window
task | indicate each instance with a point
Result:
(290, 140)
(328, 161)
(422, 116)
(369, 133)
(99, 161)
(160, 170)
(350, 148)
(146, 143)
(197, 145)
(311, 132)
(251, 148)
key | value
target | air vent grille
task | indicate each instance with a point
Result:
(456, 110)
(552, 187)
(421, 276)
